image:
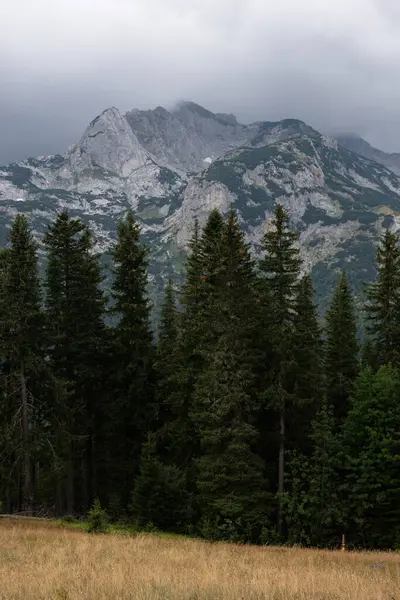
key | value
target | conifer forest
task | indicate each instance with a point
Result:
(246, 415)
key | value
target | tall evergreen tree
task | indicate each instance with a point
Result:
(383, 305)
(133, 412)
(166, 346)
(341, 366)
(313, 510)
(371, 449)
(230, 474)
(78, 353)
(280, 267)
(159, 496)
(308, 368)
(21, 341)
(166, 367)
(195, 336)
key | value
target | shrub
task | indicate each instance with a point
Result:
(69, 519)
(97, 518)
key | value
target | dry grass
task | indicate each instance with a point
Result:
(39, 562)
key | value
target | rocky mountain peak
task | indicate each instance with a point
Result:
(110, 144)
(171, 166)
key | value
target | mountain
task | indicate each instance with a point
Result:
(358, 145)
(170, 166)
(190, 137)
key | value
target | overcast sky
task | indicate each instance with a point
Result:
(333, 63)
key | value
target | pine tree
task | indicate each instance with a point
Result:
(167, 341)
(75, 308)
(308, 361)
(159, 498)
(195, 335)
(22, 341)
(383, 303)
(280, 267)
(8, 475)
(371, 448)
(133, 412)
(230, 474)
(166, 367)
(341, 366)
(313, 507)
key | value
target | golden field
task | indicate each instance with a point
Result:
(41, 561)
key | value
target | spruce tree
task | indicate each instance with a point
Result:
(229, 472)
(195, 336)
(133, 412)
(159, 498)
(75, 307)
(383, 301)
(166, 346)
(341, 364)
(21, 342)
(9, 475)
(313, 508)
(308, 367)
(371, 450)
(281, 267)
(167, 366)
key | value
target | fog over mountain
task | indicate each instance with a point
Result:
(331, 64)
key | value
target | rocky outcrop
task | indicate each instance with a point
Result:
(110, 144)
(356, 144)
(339, 201)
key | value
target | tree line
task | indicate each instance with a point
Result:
(245, 418)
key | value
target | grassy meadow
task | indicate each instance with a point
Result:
(43, 561)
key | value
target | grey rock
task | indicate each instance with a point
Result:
(171, 166)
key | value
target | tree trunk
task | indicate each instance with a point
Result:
(70, 482)
(281, 468)
(93, 467)
(85, 492)
(26, 462)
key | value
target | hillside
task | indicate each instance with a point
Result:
(172, 166)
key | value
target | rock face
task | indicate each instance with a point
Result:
(110, 144)
(172, 166)
(359, 146)
(191, 137)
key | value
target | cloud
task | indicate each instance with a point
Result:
(333, 64)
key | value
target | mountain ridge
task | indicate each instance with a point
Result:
(170, 167)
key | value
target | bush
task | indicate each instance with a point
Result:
(69, 519)
(97, 518)
(160, 496)
(114, 509)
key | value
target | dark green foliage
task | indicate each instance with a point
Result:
(313, 508)
(197, 330)
(133, 411)
(75, 307)
(19, 176)
(315, 215)
(372, 448)
(160, 496)
(97, 518)
(166, 347)
(227, 173)
(229, 472)
(237, 423)
(280, 267)
(167, 176)
(341, 364)
(22, 354)
(383, 307)
(308, 369)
